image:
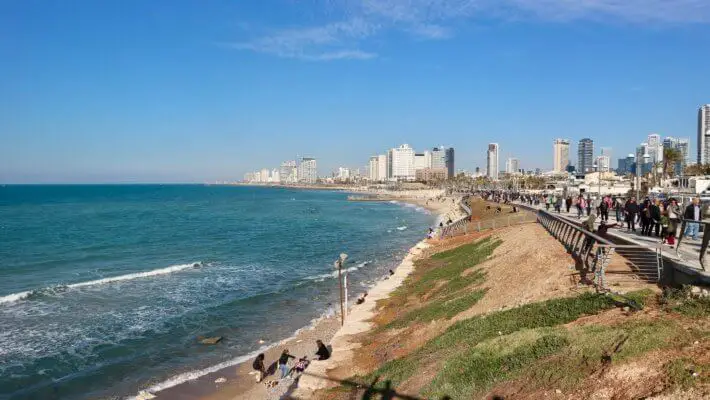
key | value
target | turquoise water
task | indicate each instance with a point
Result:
(104, 289)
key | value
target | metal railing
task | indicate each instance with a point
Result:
(704, 243)
(596, 254)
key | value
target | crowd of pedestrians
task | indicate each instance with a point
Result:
(653, 217)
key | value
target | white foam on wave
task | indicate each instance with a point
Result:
(128, 277)
(401, 228)
(334, 274)
(11, 298)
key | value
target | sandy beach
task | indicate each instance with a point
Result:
(237, 382)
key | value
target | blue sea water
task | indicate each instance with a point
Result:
(104, 289)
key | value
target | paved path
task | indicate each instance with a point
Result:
(687, 258)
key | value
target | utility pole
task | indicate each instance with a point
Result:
(339, 265)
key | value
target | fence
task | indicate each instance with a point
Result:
(704, 244)
(464, 226)
(596, 254)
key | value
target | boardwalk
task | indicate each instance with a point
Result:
(685, 260)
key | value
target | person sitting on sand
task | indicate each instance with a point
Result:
(323, 353)
(258, 366)
(361, 298)
(283, 363)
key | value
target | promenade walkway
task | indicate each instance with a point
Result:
(685, 259)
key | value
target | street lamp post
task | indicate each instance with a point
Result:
(638, 176)
(339, 265)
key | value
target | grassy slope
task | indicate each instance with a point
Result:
(474, 355)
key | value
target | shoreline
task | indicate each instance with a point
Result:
(240, 384)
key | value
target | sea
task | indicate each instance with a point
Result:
(105, 290)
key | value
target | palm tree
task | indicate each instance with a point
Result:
(670, 158)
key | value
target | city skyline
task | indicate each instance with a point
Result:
(182, 92)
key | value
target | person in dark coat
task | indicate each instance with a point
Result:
(655, 212)
(323, 353)
(631, 209)
(568, 203)
(258, 366)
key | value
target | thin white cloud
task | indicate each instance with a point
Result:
(358, 20)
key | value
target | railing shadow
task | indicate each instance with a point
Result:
(370, 391)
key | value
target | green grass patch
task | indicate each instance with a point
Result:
(450, 291)
(442, 309)
(449, 265)
(684, 302)
(466, 334)
(480, 367)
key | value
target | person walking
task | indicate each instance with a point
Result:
(604, 211)
(616, 202)
(283, 363)
(558, 204)
(580, 206)
(588, 202)
(568, 203)
(631, 209)
(674, 215)
(693, 212)
(655, 211)
(645, 216)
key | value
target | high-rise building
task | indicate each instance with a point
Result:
(655, 148)
(449, 162)
(512, 166)
(492, 161)
(683, 147)
(603, 163)
(344, 173)
(443, 158)
(585, 156)
(372, 168)
(382, 168)
(288, 172)
(643, 163)
(704, 134)
(560, 150)
(308, 170)
(422, 160)
(402, 160)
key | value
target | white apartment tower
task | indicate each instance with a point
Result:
(402, 163)
(512, 166)
(373, 165)
(561, 155)
(704, 134)
(655, 148)
(382, 168)
(603, 163)
(308, 170)
(492, 164)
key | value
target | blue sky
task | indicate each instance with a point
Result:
(192, 91)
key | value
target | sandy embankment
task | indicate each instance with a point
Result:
(241, 385)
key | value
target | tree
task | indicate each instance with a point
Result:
(697, 169)
(670, 158)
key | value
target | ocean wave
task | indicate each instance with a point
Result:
(11, 298)
(334, 274)
(401, 228)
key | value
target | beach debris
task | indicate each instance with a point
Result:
(220, 380)
(145, 395)
(261, 341)
(210, 340)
